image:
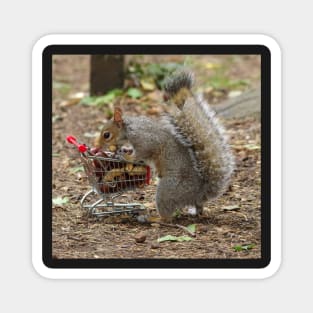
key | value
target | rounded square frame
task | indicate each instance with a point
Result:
(156, 273)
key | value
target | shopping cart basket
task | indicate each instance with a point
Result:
(113, 179)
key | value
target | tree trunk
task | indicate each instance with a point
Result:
(106, 73)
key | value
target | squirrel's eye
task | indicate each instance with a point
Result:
(106, 135)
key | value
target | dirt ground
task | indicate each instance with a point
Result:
(229, 222)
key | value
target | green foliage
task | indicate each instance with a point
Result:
(151, 74)
(63, 88)
(108, 112)
(252, 147)
(134, 93)
(60, 201)
(244, 247)
(147, 76)
(77, 169)
(177, 213)
(105, 99)
(192, 228)
(220, 80)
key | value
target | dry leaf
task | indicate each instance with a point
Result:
(231, 208)
(147, 85)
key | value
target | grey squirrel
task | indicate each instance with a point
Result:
(187, 148)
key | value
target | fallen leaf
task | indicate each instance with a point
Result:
(156, 225)
(147, 84)
(69, 102)
(174, 238)
(252, 147)
(244, 247)
(154, 111)
(77, 95)
(192, 228)
(56, 118)
(156, 95)
(60, 201)
(91, 135)
(184, 238)
(134, 93)
(234, 93)
(231, 208)
(211, 66)
(76, 169)
(105, 99)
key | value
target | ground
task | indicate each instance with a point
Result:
(230, 226)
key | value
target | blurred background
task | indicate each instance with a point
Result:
(102, 80)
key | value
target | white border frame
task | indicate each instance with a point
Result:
(156, 39)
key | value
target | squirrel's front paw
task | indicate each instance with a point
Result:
(192, 210)
(142, 219)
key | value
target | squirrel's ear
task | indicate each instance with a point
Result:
(117, 116)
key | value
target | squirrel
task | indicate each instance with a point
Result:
(188, 147)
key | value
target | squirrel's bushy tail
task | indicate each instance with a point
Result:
(199, 129)
(178, 86)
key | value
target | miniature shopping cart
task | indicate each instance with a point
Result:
(113, 180)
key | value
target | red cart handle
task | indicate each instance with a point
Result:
(81, 148)
(148, 175)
